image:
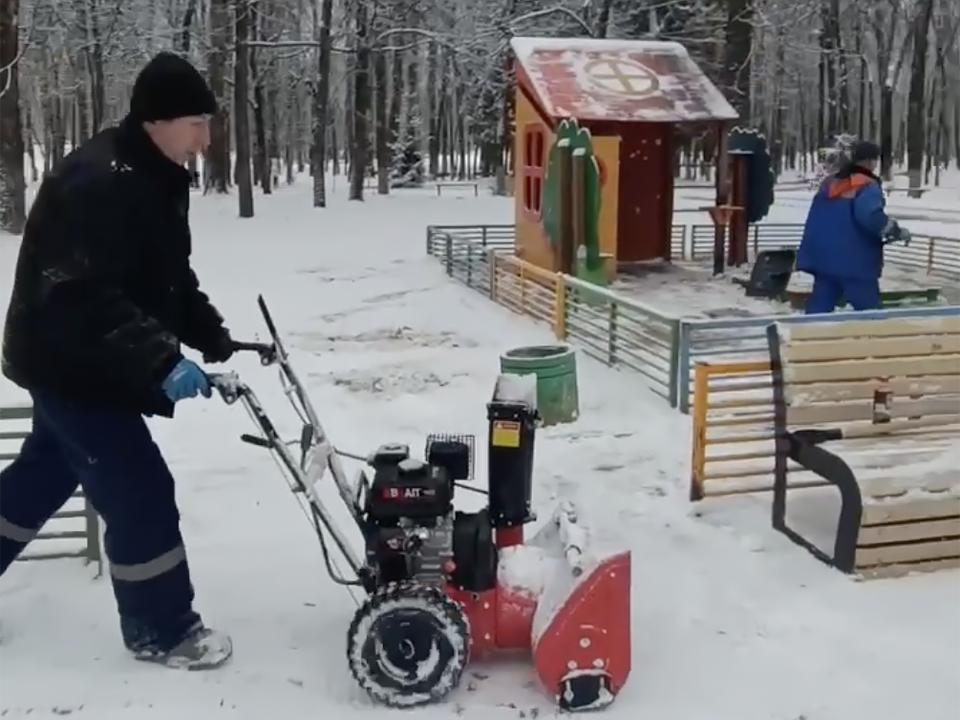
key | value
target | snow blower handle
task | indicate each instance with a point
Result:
(228, 385)
(267, 353)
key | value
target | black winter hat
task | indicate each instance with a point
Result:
(169, 87)
(864, 150)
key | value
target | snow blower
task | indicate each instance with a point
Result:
(444, 587)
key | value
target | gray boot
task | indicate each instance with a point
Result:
(201, 649)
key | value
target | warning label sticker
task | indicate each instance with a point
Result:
(505, 434)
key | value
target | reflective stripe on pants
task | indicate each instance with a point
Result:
(139, 572)
(33, 487)
(14, 532)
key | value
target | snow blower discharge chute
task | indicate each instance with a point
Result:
(443, 586)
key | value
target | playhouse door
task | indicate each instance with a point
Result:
(646, 196)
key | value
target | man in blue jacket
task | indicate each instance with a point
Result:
(843, 238)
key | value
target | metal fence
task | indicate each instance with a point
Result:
(464, 250)
(618, 331)
(767, 236)
(936, 256)
(623, 332)
(49, 543)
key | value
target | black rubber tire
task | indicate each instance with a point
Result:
(395, 633)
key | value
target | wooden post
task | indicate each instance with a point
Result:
(720, 165)
(578, 199)
(721, 185)
(721, 216)
(719, 241)
(739, 227)
(565, 249)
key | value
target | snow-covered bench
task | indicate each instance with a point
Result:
(873, 408)
(75, 521)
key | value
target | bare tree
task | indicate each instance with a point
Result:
(241, 109)
(916, 103)
(218, 156)
(414, 89)
(12, 182)
(321, 105)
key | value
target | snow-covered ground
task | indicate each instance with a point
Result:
(730, 620)
(693, 288)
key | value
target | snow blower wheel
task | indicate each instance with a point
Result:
(407, 645)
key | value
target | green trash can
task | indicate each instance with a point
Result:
(558, 400)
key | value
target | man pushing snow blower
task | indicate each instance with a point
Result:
(103, 296)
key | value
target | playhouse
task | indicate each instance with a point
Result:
(616, 103)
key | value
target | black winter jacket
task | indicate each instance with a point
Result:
(104, 292)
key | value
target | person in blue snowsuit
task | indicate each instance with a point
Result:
(844, 235)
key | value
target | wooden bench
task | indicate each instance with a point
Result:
(475, 186)
(873, 408)
(57, 539)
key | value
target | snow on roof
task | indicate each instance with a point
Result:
(619, 80)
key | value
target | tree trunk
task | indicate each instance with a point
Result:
(382, 128)
(29, 135)
(261, 160)
(13, 213)
(916, 105)
(184, 44)
(738, 50)
(889, 67)
(361, 99)
(321, 106)
(831, 88)
(217, 175)
(241, 109)
(603, 19)
(82, 109)
(434, 110)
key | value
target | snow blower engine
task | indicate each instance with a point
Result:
(444, 586)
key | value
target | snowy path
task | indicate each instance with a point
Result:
(731, 622)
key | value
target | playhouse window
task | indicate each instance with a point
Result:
(533, 167)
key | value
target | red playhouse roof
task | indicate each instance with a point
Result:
(619, 80)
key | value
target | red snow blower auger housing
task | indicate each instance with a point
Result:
(446, 586)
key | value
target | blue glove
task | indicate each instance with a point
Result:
(186, 380)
